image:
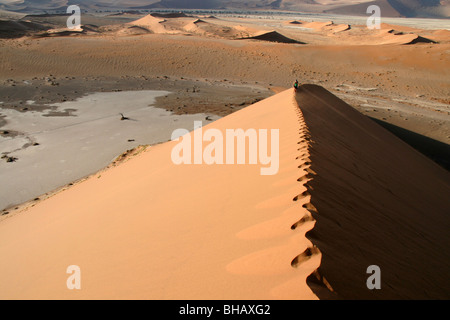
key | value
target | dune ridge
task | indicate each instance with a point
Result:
(272, 36)
(194, 26)
(391, 36)
(348, 195)
(150, 22)
(328, 26)
(317, 25)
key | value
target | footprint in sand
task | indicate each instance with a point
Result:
(304, 256)
(304, 178)
(310, 171)
(310, 207)
(302, 156)
(304, 194)
(306, 218)
(280, 226)
(305, 159)
(305, 165)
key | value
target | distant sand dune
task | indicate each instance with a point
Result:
(317, 25)
(326, 26)
(18, 28)
(169, 15)
(338, 28)
(294, 22)
(151, 23)
(274, 36)
(195, 26)
(64, 32)
(134, 30)
(441, 35)
(390, 36)
(399, 28)
(182, 24)
(210, 29)
(4, 14)
(198, 21)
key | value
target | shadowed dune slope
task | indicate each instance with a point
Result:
(379, 202)
(17, 28)
(274, 36)
(387, 36)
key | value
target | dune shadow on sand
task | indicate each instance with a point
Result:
(378, 202)
(18, 29)
(273, 37)
(437, 151)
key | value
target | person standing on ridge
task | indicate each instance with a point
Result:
(296, 85)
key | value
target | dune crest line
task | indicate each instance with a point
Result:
(307, 176)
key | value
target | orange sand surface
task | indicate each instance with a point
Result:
(149, 229)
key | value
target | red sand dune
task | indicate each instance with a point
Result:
(347, 195)
(273, 36)
(391, 36)
(441, 35)
(326, 26)
(317, 25)
(335, 28)
(150, 229)
(295, 22)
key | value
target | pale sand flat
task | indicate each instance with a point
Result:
(73, 147)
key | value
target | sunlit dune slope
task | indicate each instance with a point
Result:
(150, 229)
